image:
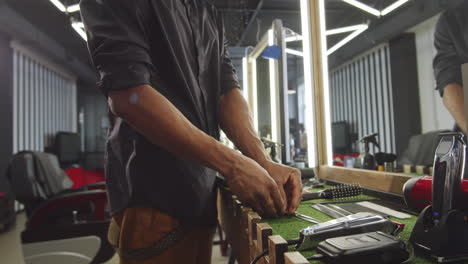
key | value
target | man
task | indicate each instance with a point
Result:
(451, 42)
(170, 85)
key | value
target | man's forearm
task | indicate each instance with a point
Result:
(237, 123)
(164, 125)
(454, 102)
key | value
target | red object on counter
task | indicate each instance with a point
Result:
(338, 159)
(82, 177)
(418, 191)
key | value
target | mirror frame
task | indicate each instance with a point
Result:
(380, 181)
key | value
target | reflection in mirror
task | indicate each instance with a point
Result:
(297, 145)
(278, 94)
(263, 98)
(384, 108)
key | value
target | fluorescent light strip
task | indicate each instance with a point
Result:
(346, 40)
(294, 38)
(363, 7)
(309, 98)
(295, 52)
(79, 24)
(245, 76)
(73, 8)
(59, 5)
(255, 94)
(345, 29)
(77, 27)
(273, 91)
(326, 85)
(393, 6)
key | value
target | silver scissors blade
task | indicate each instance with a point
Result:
(307, 218)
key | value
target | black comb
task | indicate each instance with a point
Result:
(338, 192)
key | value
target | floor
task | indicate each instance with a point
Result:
(10, 246)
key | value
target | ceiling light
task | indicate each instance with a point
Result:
(78, 27)
(393, 6)
(346, 40)
(306, 24)
(345, 29)
(326, 85)
(275, 136)
(295, 52)
(73, 8)
(292, 92)
(59, 5)
(245, 78)
(364, 7)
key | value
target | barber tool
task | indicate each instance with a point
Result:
(441, 230)
(367, 248)
(331, 210)
(367, 160)
(338, 192)
(307, 218)
(373, 208)
(346, 201)
(348, 225)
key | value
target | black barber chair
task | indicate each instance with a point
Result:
(67, 147)
(64, 226)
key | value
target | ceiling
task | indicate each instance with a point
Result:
(244, 25)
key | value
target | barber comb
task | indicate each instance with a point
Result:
(338, 192)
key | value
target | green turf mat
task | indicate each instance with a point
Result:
(288, 227)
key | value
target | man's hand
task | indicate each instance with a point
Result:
(289, 184)
(253, 186)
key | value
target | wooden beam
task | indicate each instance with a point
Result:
(380, 181)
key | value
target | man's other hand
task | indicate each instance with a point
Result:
(253, 186)
(289, 184)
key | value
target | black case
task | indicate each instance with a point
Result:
(371, 248)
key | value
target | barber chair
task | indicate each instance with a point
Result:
(82, 168)
(7, 205)
(64, 225)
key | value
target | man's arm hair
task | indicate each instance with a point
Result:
(236, 121)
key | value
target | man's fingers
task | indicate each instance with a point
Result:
(295, 186)
(279, 202)
(268, 205)
(284, 198)
(256, 205)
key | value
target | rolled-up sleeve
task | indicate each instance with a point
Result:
(117, 43)
(229, 79)
(447, 65)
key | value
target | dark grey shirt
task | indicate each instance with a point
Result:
(179, 48)
(451, 42)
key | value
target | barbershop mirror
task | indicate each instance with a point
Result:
(381, 80)
(277, 95)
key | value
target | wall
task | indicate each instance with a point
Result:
(361, 94)
(44, 101)
(6, 94)
(92, 106)
(434, 115)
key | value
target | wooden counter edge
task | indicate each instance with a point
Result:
(381, 181)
